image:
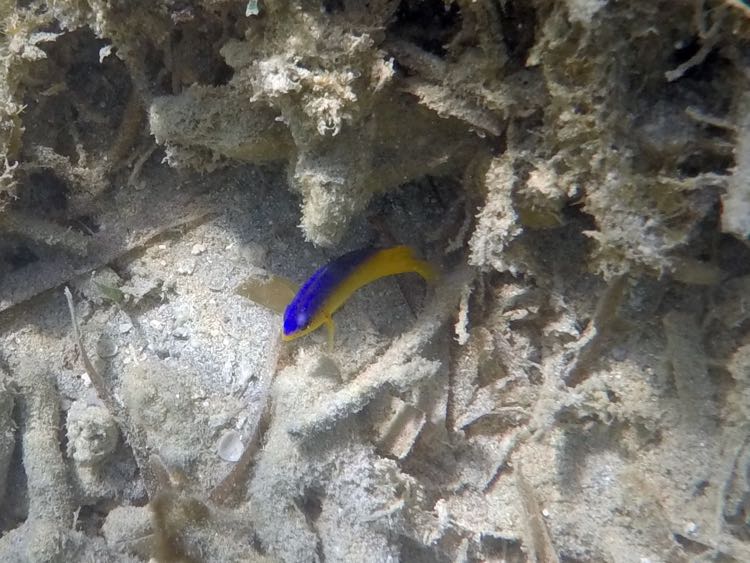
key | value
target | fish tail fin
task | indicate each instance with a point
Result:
(402, 259)
(425, 269)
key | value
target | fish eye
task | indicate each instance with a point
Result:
(301, 320)
(294, 322)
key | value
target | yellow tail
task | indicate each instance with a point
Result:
(400, 260)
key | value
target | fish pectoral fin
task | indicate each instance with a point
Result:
(331, 326)
(274, 293)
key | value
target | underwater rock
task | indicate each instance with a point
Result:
(92, 433)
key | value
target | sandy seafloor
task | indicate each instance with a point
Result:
(573, 387)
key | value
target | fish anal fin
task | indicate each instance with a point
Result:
(331, 327)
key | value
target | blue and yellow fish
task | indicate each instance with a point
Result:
(332, 285)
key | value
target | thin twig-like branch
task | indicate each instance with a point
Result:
(106, 397)
(96, 379)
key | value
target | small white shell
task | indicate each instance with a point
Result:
(230, 446)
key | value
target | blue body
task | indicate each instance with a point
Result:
(316, 290)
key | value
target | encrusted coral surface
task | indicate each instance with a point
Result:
(573, 387)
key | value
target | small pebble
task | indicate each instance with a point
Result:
(254, 253)
(161, 352)
(106, 348)
(186, 268)
(242, 377)
(182, 314)
(691, 528)
(217, 285)
(217, 420)
(240, 422)
(125, 328)
(619, 353)
(545, 513)
(227, 370)
(181, 333)
(230, 446)
(197, 249)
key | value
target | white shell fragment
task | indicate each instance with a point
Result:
(252, 8)
(230, 446)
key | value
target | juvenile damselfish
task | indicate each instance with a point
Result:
(332, 285)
